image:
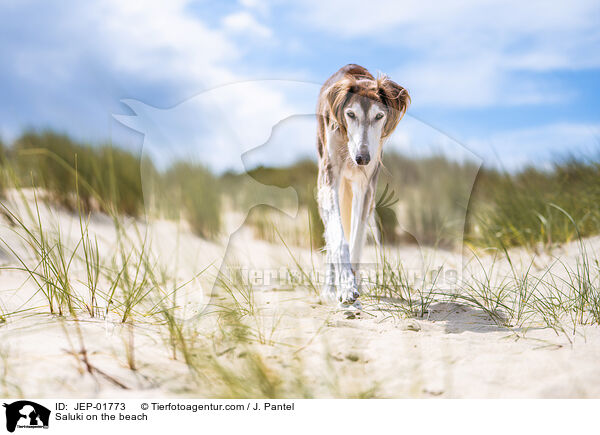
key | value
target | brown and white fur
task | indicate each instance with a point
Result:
(356, 113)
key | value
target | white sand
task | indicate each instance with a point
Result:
(455, 351)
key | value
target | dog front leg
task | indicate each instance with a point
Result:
(339, 271)
(361, 204)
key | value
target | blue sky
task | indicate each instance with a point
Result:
(514, 80)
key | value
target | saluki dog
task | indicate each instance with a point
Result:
(356, 113)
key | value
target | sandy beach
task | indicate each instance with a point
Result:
(278, 339)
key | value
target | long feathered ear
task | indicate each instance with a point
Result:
(396, 99)
(337, 96)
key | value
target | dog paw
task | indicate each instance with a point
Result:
(348, 295)
(348, 290)
(348, 298)
(328, 294)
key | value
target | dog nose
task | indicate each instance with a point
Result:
(363, 158)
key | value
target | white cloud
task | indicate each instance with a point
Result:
(454, 27)
(472, 83)
(159, 39)
(84, 57)
(415, 138)
(217, 126)
(468, 52)
(261, 6)
(537, 145)
(244, 23)
(154, 41)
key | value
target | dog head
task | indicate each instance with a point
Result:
(366, 111)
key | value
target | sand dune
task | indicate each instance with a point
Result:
(284, 342)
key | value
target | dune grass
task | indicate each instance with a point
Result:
(2, 165)
(223, 349)
(108, 178)
(537, 207)
(433, 201)
(486, 207)
(563, 296)
(130, 288)
(194, 190)
(302, 176)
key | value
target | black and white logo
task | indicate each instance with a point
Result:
(26, 414)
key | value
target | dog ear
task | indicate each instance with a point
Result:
(337, 96)
(396, 99)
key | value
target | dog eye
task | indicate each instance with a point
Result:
(350, 114)
(379, 116)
